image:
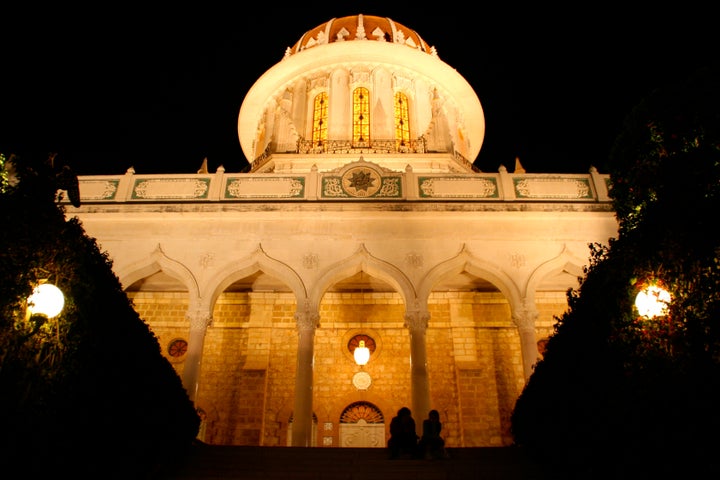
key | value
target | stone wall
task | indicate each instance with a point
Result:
(247, 378)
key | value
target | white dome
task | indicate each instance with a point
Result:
(275, 121)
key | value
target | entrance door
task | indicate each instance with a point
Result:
(362, 425)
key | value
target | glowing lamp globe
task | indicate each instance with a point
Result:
(652, 302)
(361, 353)
(46, 299)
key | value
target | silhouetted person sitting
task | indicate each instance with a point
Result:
(432, 445)
(403, 438)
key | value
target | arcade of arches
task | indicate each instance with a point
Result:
(249, 360)
(360, 216)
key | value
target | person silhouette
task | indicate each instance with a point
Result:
(432, 445)
(403, 437)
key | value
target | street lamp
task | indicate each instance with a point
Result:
(652, 301)
(46, 299)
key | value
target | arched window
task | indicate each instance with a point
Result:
(361, 411)
(320, 113)
(361, 117)
(402, 122)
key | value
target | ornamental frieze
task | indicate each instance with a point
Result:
(98, 189)
(356, 181)
(552, 188)
(265, 187)
(171, 189)
(458, 187)
(362, 182)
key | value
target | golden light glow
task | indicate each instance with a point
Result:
(402, 120)
(320, 117)
(46, 299)
(361, 354)
(652, 301)
(361, 117)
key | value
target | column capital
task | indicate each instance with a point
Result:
(199, 319)
(526, 315)
(307, 319)
(417, 320)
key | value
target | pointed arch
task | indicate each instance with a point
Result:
(464, 261)
(255, 262)
(566, 261)
(363, 261)
(155, 262)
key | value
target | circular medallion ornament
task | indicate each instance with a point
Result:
(177, 348)
(362, 380)
(361, 182)
(354, 342)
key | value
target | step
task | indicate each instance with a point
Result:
(301, 463)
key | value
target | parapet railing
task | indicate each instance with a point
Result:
(335, 147)
(369, 146)
(358, 181)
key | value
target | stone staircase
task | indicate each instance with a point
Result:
(291, 463)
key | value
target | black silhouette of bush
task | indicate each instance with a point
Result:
(618, 395)
(88, 393)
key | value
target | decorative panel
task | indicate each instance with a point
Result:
(362, 182)
(92, 190)
(553, 188)
(171, 189)
(264, 187)
(458, 187)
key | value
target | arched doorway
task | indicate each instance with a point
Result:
(362, 425)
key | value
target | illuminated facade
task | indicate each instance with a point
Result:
(361, 220)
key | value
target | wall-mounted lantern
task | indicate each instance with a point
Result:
(361, 346)
(361, 353)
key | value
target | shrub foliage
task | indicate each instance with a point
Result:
(88, 392)
(618, 395)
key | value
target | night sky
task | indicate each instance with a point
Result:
(161, 90)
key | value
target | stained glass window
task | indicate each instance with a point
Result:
(402, 120)
(361, 117)
(320, 113)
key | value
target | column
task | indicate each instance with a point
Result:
(199, 319)
(417, 323)
(299, 109)
(307, 321)
(339, 105)
(382, 104)
(524, 317)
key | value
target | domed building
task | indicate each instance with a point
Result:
(361, 226)
(361, 85)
